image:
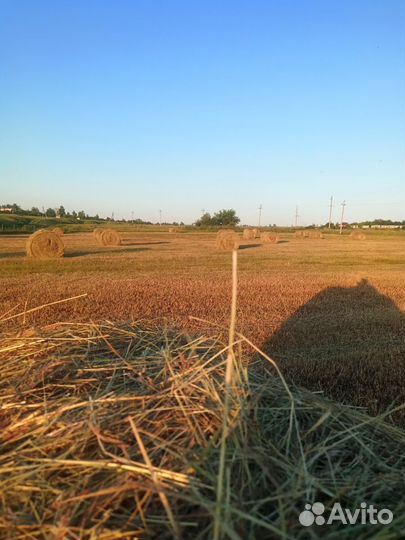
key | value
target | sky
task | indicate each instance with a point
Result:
(183, 106)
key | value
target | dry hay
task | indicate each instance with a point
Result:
(44, 244)
(269, 238)
(172, 230)
(109, 237)
(256, 233)
(97, 234)
(315, 234)
(303, 234)
(227, 240)
(114, 432)
(58, 230)
(248, 234)
(357, 235)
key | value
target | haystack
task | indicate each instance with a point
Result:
(315, 234)
(97, 234)
(357, 235)
(58, 230)
(269, 237)
(109, 237)
(248, 234)
(227, 240)
(113, 431)
(256, 233)
(45, 244)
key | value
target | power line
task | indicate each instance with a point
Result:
(330, 212)
(260, 214)
(296, 216)
(341, 218)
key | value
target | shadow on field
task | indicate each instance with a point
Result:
(103, 251)
(248, 246)
(139, 243)
(12, 255)
(347, 343)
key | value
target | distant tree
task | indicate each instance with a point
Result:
(50, 212)
(61, 211)
(74, 214)
(225, 218)
(16, 208)
(81, 215)
(204, 221)
(35, 211)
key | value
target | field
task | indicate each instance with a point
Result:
(126, 413)
(330, 311)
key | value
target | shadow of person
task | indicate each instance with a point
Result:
(347, 343)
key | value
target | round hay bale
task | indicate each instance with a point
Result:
(58, 230)
(109, 237)
(315, 234)
(299, 234)
(357, 235)
(269, 237)
(97, 234)
(172, 230)
(248, 234)
(45, 245)
(227, 240)
(256, 233)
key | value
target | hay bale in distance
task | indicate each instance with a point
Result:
(256, 233)
(58, 230)
(315, 234)
(358, 235)
(44, 244)
(172, 230)
(109, 237)
(269, 237)
(248, 234)
(227, 240)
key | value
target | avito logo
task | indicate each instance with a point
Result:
(314, 513)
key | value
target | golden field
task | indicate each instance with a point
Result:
(329, 311)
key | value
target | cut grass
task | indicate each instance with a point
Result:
(113, 431)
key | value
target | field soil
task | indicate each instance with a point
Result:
(329, 311)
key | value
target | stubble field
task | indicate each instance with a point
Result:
(329, 311)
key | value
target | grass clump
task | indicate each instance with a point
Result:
(114, 431)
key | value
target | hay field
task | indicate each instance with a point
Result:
(329, 311)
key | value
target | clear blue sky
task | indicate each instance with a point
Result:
(130, 105)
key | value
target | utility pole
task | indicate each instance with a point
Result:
(330, 212)
(160, 217)
(260, 214)
(296, 216)
(132, 217)
(341, 218)
(112, 216)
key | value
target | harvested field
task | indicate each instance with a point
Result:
(330, 312)
(115, 432)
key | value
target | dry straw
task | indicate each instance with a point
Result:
(109, 237)
(357, 235)
(172, 230)
(97, 234)
(227, 240)
(269, 238)
(45, 244)
(315, 234)
(115, 432)
(58, 230)
(248, 234)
